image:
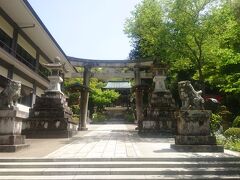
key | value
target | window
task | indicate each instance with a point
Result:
(5, 41)
(43, 71)
(25, 57)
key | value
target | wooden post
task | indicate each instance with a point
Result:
(14, 42)
(34, 93)
(37, 62)
(84, 100)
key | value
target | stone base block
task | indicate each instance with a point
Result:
(197, 148)
(165, 126)
(83, 129)
(31, 134)
(195, 140)
(156, 131)
(12, 148)
(193, 122)
(12, 139)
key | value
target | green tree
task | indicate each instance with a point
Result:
(200, 39)
(190, 31)
(101, 98)
(222, 70)
(147, 30)
(179, 33)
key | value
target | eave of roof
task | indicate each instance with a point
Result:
(118, 85)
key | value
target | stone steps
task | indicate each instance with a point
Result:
(136, 159)
(131, 164)
(121, 168)
(120, 171)
(120, 177)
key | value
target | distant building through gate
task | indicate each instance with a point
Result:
(124, 89)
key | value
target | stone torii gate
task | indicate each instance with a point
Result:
(134, 73)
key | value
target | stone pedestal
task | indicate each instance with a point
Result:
(194, 132)
(11, 139)
(50, 118)
(160, 115)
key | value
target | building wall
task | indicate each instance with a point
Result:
(23, 81)
(25, 45)
(42, 60)
(28, 83)
(3, 71)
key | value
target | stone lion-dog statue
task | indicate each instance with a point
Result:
(191, 99)
(10, 95)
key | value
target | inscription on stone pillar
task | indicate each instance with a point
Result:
(159, 83)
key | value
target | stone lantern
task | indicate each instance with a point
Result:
(160, 115)
(51, 117)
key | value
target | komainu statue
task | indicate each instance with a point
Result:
(191, 99)
(10, 95)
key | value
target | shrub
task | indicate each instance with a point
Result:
(228, 142)
(75, 109)
(75, 118)
(236, 122)
(129, 117)
(232, 133)
(215, 122)
(227, 117)
(99, 117)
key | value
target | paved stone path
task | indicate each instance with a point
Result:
(105, 140)
(120, 141)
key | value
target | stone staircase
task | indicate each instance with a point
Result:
(121, 168)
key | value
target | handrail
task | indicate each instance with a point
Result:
(20, 58)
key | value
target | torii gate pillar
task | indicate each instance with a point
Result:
(84, 100)
(138, 96)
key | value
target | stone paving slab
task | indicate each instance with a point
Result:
(106, 141)
(41, 147)
(121, 141)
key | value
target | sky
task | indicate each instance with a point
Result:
(91, 29)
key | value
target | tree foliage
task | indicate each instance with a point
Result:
(223, 66)
(200, 39)
(99, 97)
(147, 31)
